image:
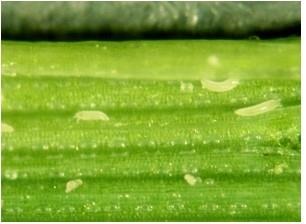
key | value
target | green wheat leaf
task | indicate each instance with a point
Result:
(126, 131)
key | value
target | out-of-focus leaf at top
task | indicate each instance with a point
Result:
(106, 20)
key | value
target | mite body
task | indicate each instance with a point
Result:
(192, 180)
(261, 108)
(222, 86)
(91, 116)
(72, 185)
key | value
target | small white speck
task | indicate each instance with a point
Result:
(126, 195)
(61, 174)
(186, 87)
(279, 168)
(232, 212)
(209, 181)
(194, 20)
(12, 74)
(244, 206)
(11, 174)
(213, 60)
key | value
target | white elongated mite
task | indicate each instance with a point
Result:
(261, 108)
(72, 185)
(222, 86)
(91, 115)
(5, 128)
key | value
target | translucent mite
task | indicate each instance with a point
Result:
(261, 108)
(72, 185)
(91, 116)
(222, 86)
(192, 180)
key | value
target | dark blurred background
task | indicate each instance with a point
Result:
(148, 20)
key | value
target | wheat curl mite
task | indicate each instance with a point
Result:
(222, 86)
(260, 108)
(92, 115)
